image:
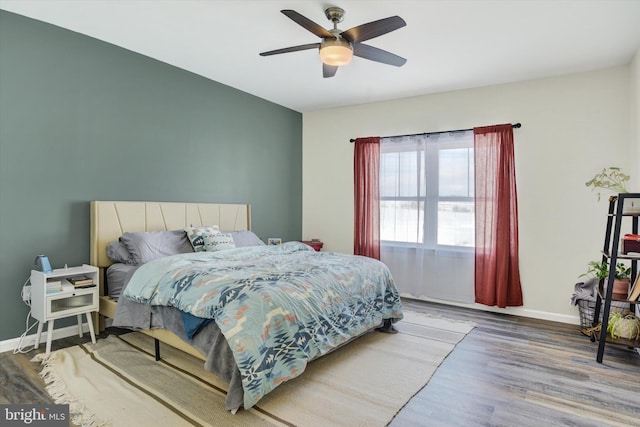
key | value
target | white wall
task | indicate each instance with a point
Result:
(572, 126)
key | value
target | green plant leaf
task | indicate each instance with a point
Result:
(611, 178)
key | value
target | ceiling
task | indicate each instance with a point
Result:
(449, 45)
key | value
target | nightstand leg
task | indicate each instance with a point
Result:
(80, 325)
(91, 331)
(38, 335)
(49, 335)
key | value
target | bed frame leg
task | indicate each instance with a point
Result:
(387, 327)
(157, 345)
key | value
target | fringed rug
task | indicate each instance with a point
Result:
(117, 381)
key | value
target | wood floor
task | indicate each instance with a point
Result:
(509, 371)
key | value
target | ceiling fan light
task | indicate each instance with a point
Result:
(336, 52)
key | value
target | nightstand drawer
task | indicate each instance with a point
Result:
(69, 303)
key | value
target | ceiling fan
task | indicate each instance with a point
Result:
(337, 46)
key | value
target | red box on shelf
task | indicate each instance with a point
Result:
(631, 243)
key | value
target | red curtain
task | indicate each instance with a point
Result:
(366, 169)
(497, 275)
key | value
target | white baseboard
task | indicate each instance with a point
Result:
(516, 311)
(29, 340)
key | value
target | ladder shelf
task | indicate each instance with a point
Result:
(611, 253)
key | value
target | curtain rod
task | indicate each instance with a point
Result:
(515, 126)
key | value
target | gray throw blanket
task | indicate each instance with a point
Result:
(585, 291)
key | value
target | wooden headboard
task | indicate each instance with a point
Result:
(109, 219)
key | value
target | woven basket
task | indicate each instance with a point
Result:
(587, 311)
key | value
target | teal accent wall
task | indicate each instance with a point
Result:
(84, 120)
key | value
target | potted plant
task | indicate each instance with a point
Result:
(623, 324)
(612, 178)
(600, 270)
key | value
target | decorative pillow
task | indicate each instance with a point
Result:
(147, 246)
(196, 234)
(119, 253)
(246, 238)
(218, 242)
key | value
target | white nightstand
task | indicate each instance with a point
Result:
(46, 306)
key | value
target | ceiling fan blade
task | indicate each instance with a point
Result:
(308, 24)
(374, 54)
(373, 29)
(328, 70)
(291, 49)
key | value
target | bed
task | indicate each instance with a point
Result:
(255, 315)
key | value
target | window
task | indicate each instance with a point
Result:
(426, 190)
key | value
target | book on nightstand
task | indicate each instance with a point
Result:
(80, 280)
(54, 286)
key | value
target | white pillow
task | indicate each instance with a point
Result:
(197, 233)
(218, 242)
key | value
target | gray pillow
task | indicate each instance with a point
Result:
(117, 277)
(246, 238)
(147, 246)
(119, 253)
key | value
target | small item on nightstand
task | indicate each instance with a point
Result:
(42, 264)
(53, 286)
(80, 280)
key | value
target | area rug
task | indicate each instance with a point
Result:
(117, 381)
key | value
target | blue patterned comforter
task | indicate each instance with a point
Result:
(279, 307)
